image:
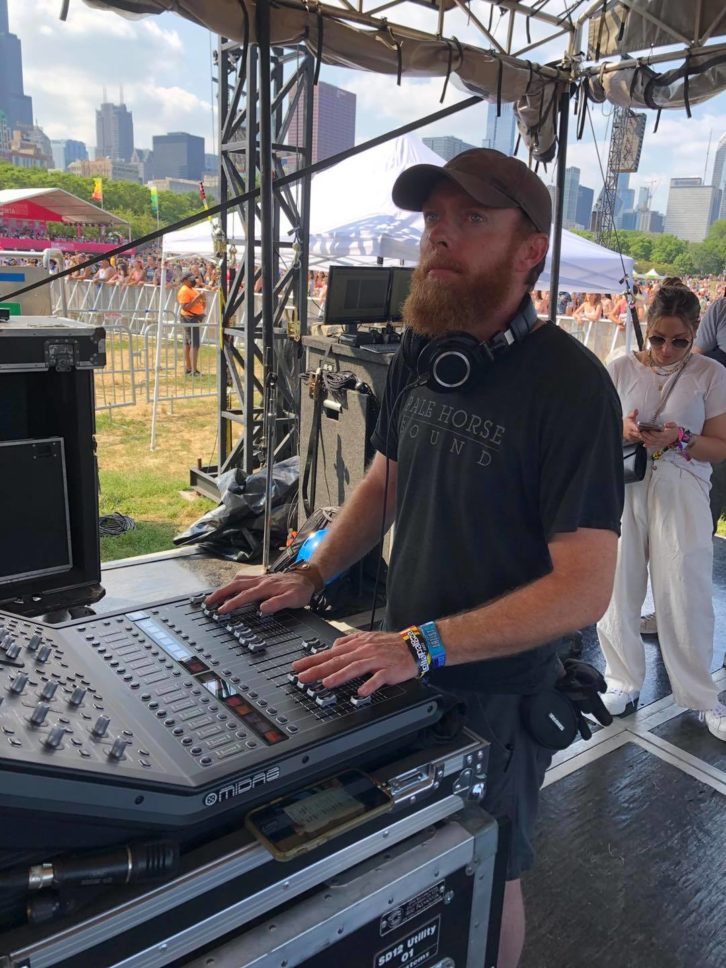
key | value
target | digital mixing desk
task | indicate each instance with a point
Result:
(170, 717)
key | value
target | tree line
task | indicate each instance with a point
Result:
(670, 255)
(126, 200)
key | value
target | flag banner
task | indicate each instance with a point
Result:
(202, 193)
(154, 200)
(97, 193)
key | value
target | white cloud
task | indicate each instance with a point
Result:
(169, 38)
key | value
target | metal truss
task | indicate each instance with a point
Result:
(604, 216)
(261, 90)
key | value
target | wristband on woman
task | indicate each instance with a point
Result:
(685, 439)
(436, 650)
(417, 647)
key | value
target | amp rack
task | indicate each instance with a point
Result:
(172, 716)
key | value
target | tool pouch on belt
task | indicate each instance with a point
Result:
(554, 717)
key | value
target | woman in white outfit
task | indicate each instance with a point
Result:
(667, 519)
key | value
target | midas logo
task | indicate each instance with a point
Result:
(239, 787)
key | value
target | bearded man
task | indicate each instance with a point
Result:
(499, 455)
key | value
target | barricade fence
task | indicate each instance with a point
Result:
(130, 316)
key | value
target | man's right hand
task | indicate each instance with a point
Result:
(276, 591)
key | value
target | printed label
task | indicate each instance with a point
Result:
(413, 950)
(394, 919)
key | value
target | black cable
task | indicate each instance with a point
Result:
(112, 525)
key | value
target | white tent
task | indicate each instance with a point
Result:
(197, 239)
(353, 218)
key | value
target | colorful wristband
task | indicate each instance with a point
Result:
(436, 650)
(417, 647)
(685, 438)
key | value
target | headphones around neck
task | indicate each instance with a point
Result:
(453, 362)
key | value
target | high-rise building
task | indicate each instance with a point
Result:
(333, 121)
(648, 221)
(719, 174)
(569, 208)
(501, 131)
(114, 132)
(583, 214)
(446, 147)
(178, 155)
(67, 151)
(692, 208)
(143, 158)
(5, 133)
(14, 103)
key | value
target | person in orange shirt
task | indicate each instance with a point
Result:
(193, 304)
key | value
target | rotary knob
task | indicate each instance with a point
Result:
(100, 727)
(12, 651)
(37, 717)
(77, 696)
(54, 737)
(19, 683)
(43, 653)
(49, 690)
(117, 749)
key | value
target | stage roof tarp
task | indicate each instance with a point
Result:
(53, 205)
(347, 37)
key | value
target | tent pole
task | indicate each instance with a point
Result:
(157, 356)
(564, 112)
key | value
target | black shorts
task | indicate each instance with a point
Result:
(191, 333)
(515, 773)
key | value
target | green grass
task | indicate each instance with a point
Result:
(145, 484)
(722, 527)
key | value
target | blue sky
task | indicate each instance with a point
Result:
(163, 65)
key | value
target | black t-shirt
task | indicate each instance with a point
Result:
(486, 478)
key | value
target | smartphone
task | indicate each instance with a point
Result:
(294, 824)
(654, 428)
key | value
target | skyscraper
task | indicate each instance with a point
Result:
(501, 131)
(583, 214)
(178, 155)
(692, 208)
(67, 151)
(114, 132)
(569, 210)
(333, 121)
(446, 147)
(719, 174)
(15, 105)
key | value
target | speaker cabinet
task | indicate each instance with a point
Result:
(48, 474)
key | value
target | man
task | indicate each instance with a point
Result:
(711, 341)
(193, 306)
(507, 494)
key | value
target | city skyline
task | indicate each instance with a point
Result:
(163, 64)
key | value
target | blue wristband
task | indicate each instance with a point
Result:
(434, 645)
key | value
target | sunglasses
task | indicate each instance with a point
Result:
(679, 343)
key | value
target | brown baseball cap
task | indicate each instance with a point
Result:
(491, 178)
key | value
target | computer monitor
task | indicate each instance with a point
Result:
(400, 285)
(357, 295)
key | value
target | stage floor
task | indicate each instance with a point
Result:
(631, 837)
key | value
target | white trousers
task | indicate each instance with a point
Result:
(667, 523)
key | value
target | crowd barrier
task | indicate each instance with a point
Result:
(602, 337)
(130, 316)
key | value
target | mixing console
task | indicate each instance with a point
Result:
(172, 715)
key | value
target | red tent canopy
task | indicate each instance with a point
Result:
(31, 211)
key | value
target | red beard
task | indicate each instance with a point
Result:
(436, 306)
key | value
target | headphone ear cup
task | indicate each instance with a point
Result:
(451, 362)
(550, 718)
(411, 346)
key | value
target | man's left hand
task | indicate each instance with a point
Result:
(384, 656)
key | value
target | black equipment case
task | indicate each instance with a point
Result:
(47, 401)
(414, 878)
